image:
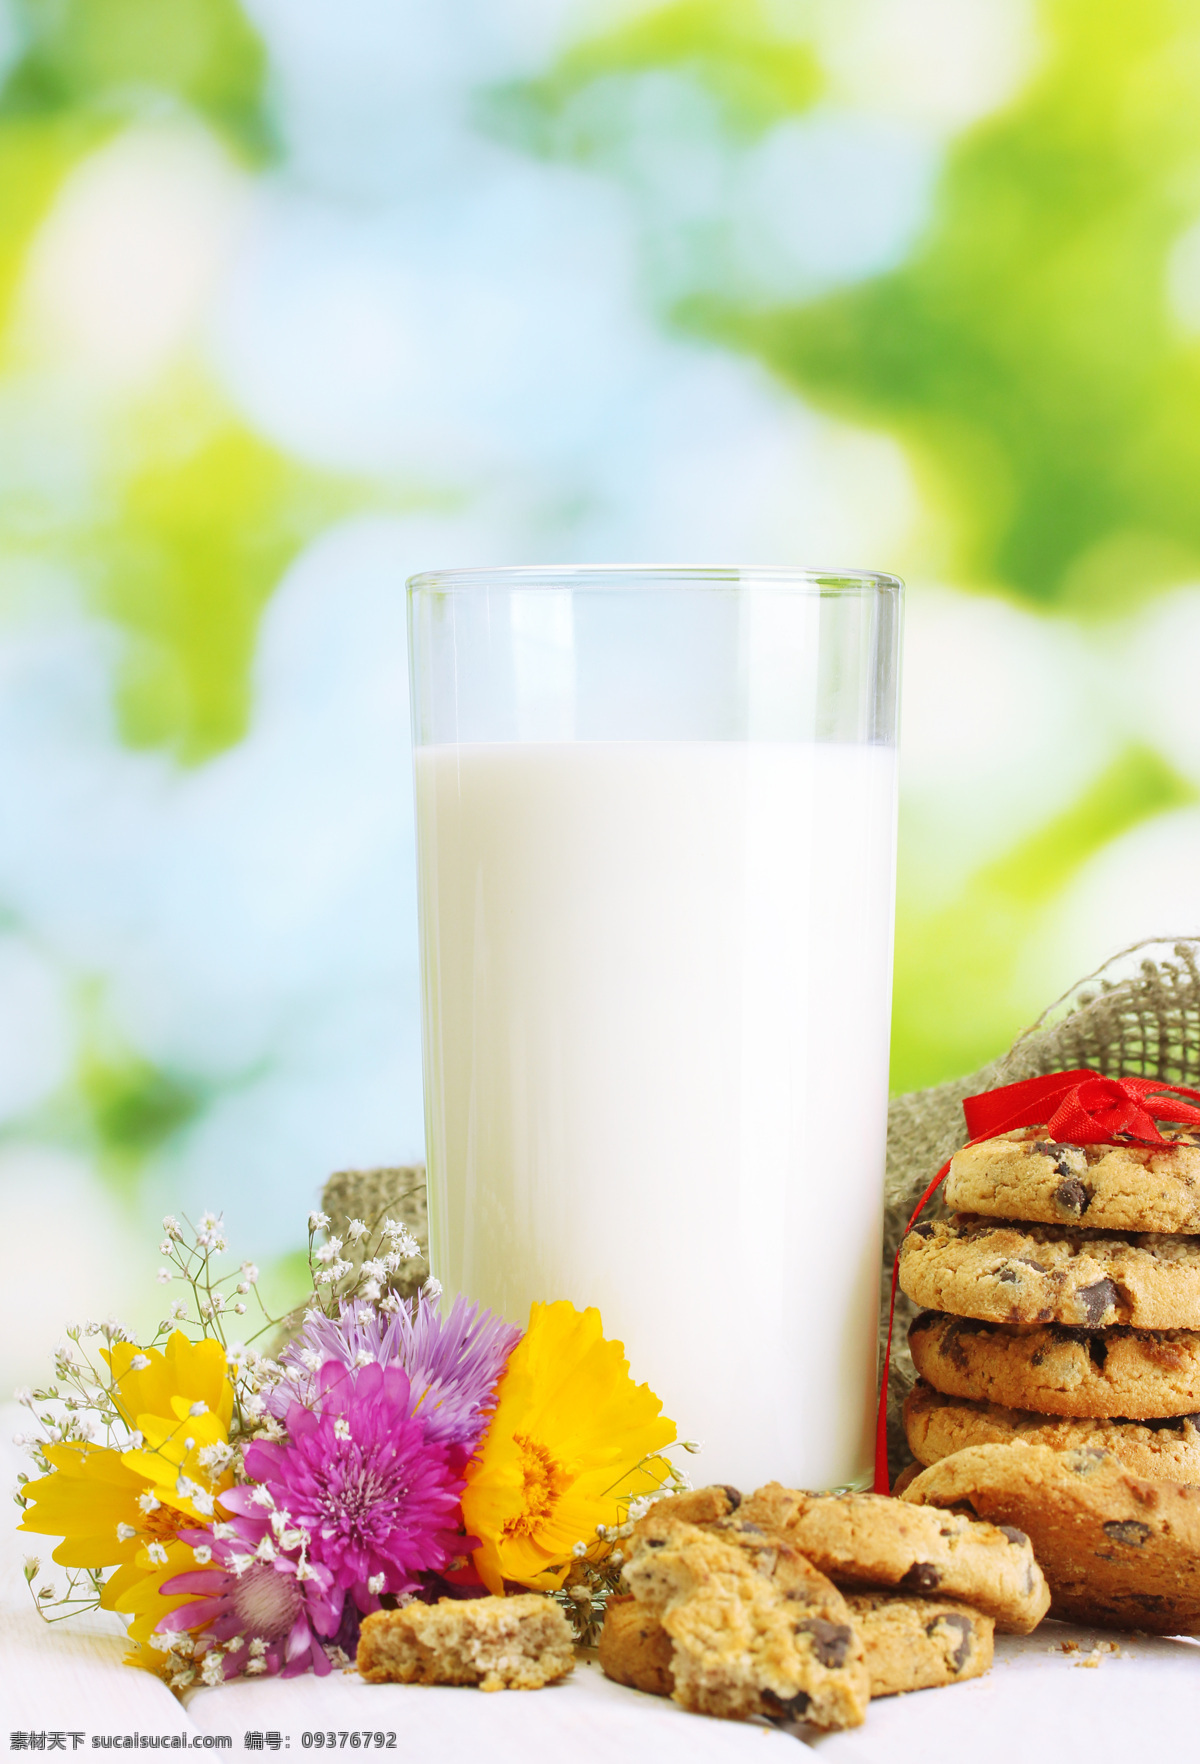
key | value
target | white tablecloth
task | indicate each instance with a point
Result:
(1036, 1706)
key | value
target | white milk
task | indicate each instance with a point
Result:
(657, 983)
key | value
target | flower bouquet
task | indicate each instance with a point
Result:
(245, 1510)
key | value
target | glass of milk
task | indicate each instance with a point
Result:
(656, 842)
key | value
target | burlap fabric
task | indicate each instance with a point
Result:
(1138, 1016)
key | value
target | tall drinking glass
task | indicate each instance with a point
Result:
(656, 840)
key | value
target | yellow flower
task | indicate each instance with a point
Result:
(566, 1450)
(124, 1509)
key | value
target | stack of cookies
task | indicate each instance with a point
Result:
(1064, 1304)
(802, 1607)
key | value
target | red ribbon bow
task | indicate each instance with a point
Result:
(1078, 1108)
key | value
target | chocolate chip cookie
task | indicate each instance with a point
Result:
(755, 1628)
(870, 1540)
(1057, 1370)
(635, 1649)
(910, 1643)
(1118, 1551)
(520, 1643)
(918, 1644)
(1046, 1274)
(1159, 1450)
(1025, 1175)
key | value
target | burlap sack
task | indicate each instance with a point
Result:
(1138, 1015)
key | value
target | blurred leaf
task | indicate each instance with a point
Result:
(734, 48)
(195, 549)
(956, 1005)
(35, 156)
(114, 53)
(1026, 352)
(136, 1106)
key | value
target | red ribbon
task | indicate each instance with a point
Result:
(1075, 1108)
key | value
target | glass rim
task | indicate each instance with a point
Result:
(648, 577)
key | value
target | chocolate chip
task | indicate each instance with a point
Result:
(1008, 1275)
(787, 1708)
(1096, 1299)
(1097, 1349)
(921, 1577)
(1014, 1535)
(732, 1495)
(656, 1543)
(924, 1229)
(950, 1346)
(831, 1641)
(1071, 1195)
(963, 1625)
(1127, 1531)
(1059, 1154)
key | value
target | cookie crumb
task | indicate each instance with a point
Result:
(1069, 1647)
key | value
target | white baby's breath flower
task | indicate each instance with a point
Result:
(262, 1497)
(318, 1221)
(239, 1310)
(202, 1553)
(199, 1407)
(579, 1549)
(364, 1357)
(341, 1427)
(250, 1272)
(266, 1551)
(391, 1301)
(376, 1584)
(139, 1362)
(253, 1667)
(692, 1445)
(330, 1250)
(374, 1270)
(432, 1288)
(311, 1358)
(258, 1647)
(240, 1563)
(164, 1248)
(164, 1276)
(213, 1669)
(370, 1289)
(224, 1532)
(148, 1501)
(125, 1532)
(340, 1270)
(203, 1503)
(24, 1396)
(172, 1228)
(179, 1310)
(355, 1229)
(157, 1553)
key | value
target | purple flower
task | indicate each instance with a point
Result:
(454, 1362)
(255, 1599)
(376, 1497)
(358, 1502)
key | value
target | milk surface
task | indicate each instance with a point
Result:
(657, 996)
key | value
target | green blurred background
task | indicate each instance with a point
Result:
(297, 298)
